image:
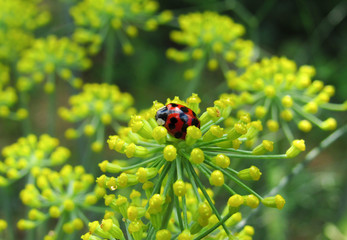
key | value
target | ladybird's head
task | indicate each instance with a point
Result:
(161, 116)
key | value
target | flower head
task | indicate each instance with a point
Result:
(18, 25)
(30, 153)
(49, 57)
(281, 93)
(212, 39)
(95, 107)
(54, 194)
(8, 97)
(94, 18)
(168, 168)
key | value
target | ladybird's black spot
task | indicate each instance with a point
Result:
(178, 135)
(183, 117)
(194, 114)
(173, 120)
(172, 126)
(161, 116)
(173, 104)
(184, 109)
(184, 127)
(195, 122)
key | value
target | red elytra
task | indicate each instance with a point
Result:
(176, 118)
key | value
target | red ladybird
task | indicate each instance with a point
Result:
(176, 119)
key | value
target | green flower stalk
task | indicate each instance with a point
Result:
(164, 165)
(282, 93)
(17, 26)
(97, 19)
(97, 106)
(211, 39)
(29, 153)
(65, 195)
(48, 58)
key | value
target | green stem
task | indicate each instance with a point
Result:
(52, 113)
(237, 181)
(180, 221)
(207, 197)
(191, 179)
(334, 106)
(168, 211)
(24, 103)
(207, 173)
(218, 149)
(299, 167)
(274, 156)
(160, 180)
(142, 163)
(7, 208)
(208, 231)
(170, 180)
(184, 208)
(194, 82)
(110, 51)
(306, 115)
(309, 157)
(287, 132)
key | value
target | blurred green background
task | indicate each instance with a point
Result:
(308, 32)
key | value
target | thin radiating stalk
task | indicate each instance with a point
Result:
(311, 155)
(110, 52)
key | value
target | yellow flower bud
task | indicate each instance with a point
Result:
(264, 147)
(275, 202)
(217, 178)
(253, 173)
(170, 153)
(272, 125)
(89, 130)
(197, 156)
(251, 201)
(185, 235)
(214, 132)
(155, 204)
(163, 234)
(179, 188)
(329, 124)
(222, 160)
(235, 201)
(260, 112)
(237, 131)
(159, 134)
(270, 91)
(287, 101)
(69, 205)
(287, 115)
(311, 107)
(305, 125)
(212, 64)
(297, 147)
(193, 134)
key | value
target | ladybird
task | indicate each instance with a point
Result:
(176, 118)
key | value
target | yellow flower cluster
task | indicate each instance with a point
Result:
(18, 20)
(168, 168)
(29, 152)
(96, 106)
(280, 93)
(94, 18)
(49, 57)
(8, 97)
(56, 194)
(213, 38)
